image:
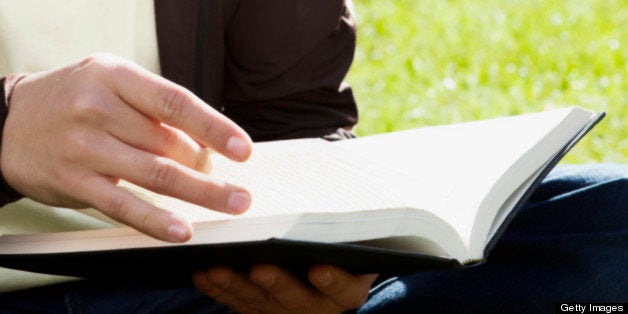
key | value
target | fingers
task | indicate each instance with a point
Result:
(289, 291)
(167, 102)
(165, 176)
(342, 288)
(128, 209)
(270, 289)
(235, 290)
(139, 131)
(111, 119)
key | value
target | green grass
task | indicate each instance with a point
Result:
(432, 62)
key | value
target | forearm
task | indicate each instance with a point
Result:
(7, 193)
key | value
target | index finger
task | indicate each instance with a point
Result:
(176, 106)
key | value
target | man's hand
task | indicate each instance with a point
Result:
(73, 132)
(269, 289)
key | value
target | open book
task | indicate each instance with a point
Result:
(433, 197)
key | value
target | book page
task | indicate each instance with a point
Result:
(337, 196)
(208, 232)
(452, 169)
(309, 176)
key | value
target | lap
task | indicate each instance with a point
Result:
(109, 297)
(569, 243)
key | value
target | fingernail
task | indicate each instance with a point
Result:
(239, 201)
(238, 147)
(265, 279)
(325, 278)
(178, 233)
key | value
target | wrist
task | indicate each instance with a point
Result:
(7, 86)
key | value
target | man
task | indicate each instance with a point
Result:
(72, 132)
(275, 68)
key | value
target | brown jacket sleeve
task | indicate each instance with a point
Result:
(7, 193)
(273, 66)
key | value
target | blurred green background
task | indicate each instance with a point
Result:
(430, 62)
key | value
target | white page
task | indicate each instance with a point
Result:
(452, 168)
(313, 178)
(447, 170)
(303, 176)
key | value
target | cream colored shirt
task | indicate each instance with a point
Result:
(38, 35)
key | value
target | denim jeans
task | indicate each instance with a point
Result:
(568, 244)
